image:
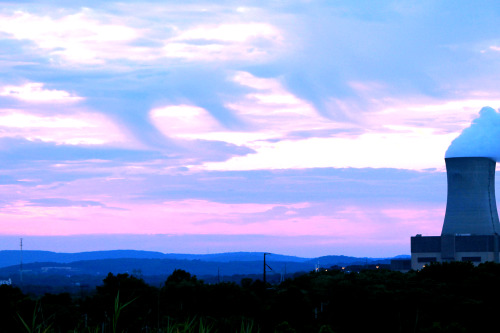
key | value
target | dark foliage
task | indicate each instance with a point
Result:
(450, 297)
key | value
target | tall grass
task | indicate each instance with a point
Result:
(118, 309)
(189, 326)
(34, 326)
(38, 324)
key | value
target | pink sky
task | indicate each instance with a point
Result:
(305, 127)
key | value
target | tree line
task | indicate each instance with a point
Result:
(448, 297)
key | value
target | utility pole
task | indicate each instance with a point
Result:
(265, 267)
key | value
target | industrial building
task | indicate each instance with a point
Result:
(471, 227)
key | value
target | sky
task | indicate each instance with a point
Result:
(306, 128)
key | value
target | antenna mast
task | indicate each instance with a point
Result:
(21, 263)
(283, 275)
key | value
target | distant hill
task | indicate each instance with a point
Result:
(11, 257)
(153, 267)
(157, 263)
(327, 261)
(237, 256)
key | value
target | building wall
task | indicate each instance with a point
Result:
(419, 260)
(474, 256)
(474, 248)
(402, 265)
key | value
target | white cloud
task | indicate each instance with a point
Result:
(225, 42)
(92, 38)
(236, 32)
(405, 135)
(273, 101)
(270, 113)
(412, 134)
(183, 120)
(410, 150)
(442, 116)
(35, 92)
(76, 38)
(76, 129)
(249, 80)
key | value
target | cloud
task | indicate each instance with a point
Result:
(231, 105)
(288, 186)
(449, 116)
(87, 128)
(369, 228)
(33, 163)
(35, 92)
(77, 38)
(238, 32)
(410, 150)
(187, 217)
(19, 151)
(285, 131)
(91, 37)
(62, 202)
(268, 112)
(480, 139)
(183, 120)
(251, 41)
(272, 103)
(315, 202)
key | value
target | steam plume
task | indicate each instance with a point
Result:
(480, 139)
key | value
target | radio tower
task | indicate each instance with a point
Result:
(21, 263)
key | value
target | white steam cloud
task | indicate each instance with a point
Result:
(480, 139)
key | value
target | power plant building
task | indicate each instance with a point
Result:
(471, 227)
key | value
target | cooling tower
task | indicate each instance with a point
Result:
(471, 207)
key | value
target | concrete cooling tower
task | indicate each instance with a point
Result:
(471, 227)
(471, 207)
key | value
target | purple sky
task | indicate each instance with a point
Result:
(301, 127)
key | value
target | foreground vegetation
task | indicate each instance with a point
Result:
(452, 297)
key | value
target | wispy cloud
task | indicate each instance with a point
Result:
(269, 112)
(206, 217)
(77, 38)
(184, 121)
(88, 37)
(35, 92)
(226, 42)
(76, 129)
(288, 132)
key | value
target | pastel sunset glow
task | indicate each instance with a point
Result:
(306, 128)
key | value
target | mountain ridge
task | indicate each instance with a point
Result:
(13, 257)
